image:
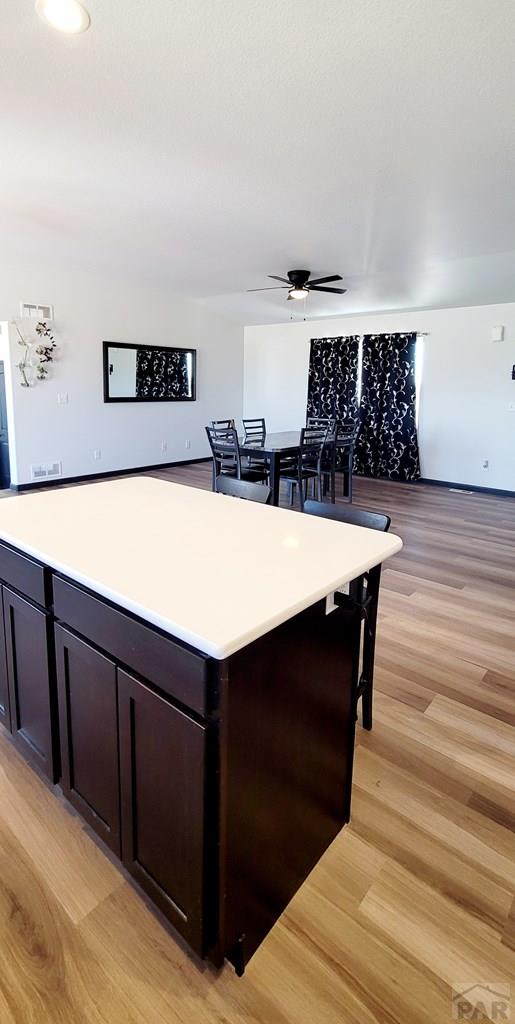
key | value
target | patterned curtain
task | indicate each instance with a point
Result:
(387, 443)
(333, 378)
(161, 373)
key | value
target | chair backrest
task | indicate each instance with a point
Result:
(348, 514)
(322, 422)
(242, 489)
(223, 424)
(312, 443)
(225, 449)
(255, 430)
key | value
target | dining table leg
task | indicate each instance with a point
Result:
(275, 477)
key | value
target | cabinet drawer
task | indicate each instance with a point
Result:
(26, 575)
(88, 716)
(175, 669)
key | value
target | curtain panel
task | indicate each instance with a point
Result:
(387, 442)
(333, 378)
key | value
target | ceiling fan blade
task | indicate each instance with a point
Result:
(283, 279)
(272, 288)
(336, 291)
(326, 280)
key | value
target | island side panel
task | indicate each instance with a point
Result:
(289, 745)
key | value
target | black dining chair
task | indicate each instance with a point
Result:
(363, 592)
(306, 467)
(345, 444)
(225, 450)
(242, 489)
(328, 463)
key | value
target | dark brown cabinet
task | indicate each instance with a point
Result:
(5, 713)
(30, 682)
(163, 768)
(88, 719)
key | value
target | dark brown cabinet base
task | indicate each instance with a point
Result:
(219, 784)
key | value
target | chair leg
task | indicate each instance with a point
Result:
(333, 486)
(347, 485)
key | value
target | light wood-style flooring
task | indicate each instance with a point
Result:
(416, 895)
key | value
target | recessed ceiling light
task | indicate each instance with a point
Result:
(64, 15)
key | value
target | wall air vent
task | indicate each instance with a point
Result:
(35, 311)
(45, 470)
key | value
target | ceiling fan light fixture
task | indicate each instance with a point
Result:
(298, 293)
(67, 16)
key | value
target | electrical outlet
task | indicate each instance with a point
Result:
(187, 444)
(485, 464)
(164, 446)
(511, 407)
(62, 398)
(97, 454)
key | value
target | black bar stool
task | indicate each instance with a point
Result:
(363, 591)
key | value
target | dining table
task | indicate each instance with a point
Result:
(273, 448)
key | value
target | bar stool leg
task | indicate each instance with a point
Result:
(369, 645)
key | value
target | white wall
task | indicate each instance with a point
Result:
(88, 310)
(466, 384)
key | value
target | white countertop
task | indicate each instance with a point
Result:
(214, 571)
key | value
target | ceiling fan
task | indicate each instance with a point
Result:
(299, 286)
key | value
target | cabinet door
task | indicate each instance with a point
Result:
(5, 713)
(86, 682)
(31, 685)
(162, 763)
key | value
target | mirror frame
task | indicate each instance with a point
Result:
(106, 345)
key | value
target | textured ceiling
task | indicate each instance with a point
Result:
(203, 145)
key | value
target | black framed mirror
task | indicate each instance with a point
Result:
(148, 373)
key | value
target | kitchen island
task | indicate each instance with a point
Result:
(175, 660)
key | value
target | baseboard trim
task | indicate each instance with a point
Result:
(91, 477)
(468, 487)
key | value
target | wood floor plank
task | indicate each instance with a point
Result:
(417, 894)
(483, 763)
(428, 927)
(441, 862)
(481, 728)
(62, 853)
